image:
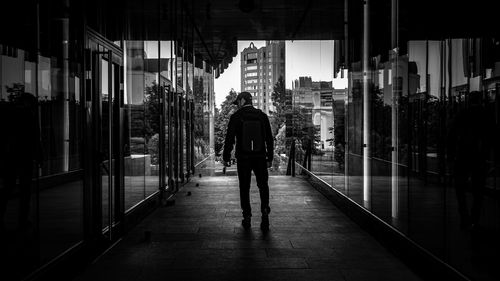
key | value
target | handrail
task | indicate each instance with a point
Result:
(203, 160)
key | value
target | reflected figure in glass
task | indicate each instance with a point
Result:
(20, 151)
(470, 149)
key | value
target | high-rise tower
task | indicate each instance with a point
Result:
(260, 70)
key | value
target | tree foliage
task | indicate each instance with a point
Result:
(278, 97)
(222, 119)
(152, 110)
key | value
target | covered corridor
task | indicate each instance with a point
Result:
(200, 238)
(108, 113)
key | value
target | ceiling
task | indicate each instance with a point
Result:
(213, 27)
(219, 24)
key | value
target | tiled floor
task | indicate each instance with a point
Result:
(200, 238)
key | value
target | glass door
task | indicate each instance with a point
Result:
(106, 76)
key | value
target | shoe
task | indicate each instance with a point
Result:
(246, 222)
(264, 224)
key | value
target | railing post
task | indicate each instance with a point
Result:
(292, 154)
(306, 163)
(309, 155)
(290, 169)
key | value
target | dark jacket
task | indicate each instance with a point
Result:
(234, 130)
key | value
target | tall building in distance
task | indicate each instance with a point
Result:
(260, 70)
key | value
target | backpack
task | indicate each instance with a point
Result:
(252, 134)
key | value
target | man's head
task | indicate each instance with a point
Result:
(243, 98)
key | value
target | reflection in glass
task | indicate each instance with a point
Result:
(431, 107)
(152, 114)
(416, 133)
(203, 114)
(41, 186)
(135, 156)
(106, 157)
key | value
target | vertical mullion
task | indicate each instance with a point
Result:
(110, 142)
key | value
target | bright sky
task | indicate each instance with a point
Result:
(303, 58)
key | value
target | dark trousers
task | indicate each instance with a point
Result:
(245, 168)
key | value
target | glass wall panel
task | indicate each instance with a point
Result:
(188, 121)
(20, 159)
(209, 106)
(152, 113)
(50, 125)
(60, 201)
(313, 98)
(426, 190)
(338, 128)
(422, 134)
(354, 156)
(182, 64)
(135, 149)
(172, 127)
(107, 173)
(177, 114)
(383, 99)
(166, 78)
(41, 108)
(203, 105)
(472, 130)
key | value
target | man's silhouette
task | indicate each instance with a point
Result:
(20, 151)
(254, 152)
(471, 143)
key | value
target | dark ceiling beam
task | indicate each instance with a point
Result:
(220, 46)
(188, 12)
(302, 19)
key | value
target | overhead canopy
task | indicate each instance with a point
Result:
(218, 24)
(212, 27)
(221, 23)
(215, 26)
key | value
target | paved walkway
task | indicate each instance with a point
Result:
(200, 238)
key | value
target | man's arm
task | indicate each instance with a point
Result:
(269, 140)
(229, 141)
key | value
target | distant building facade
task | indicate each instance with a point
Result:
(260, 70)
(318, 103)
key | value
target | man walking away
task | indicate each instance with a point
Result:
(254, 152)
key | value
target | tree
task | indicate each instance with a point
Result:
(222, 119)
(152, 110)
(311, 135)
(280, 96)
(280, 143)
(339, 140)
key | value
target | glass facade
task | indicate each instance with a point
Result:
(98, 115)
(105, 108)
(413, 136)
(41, 125)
